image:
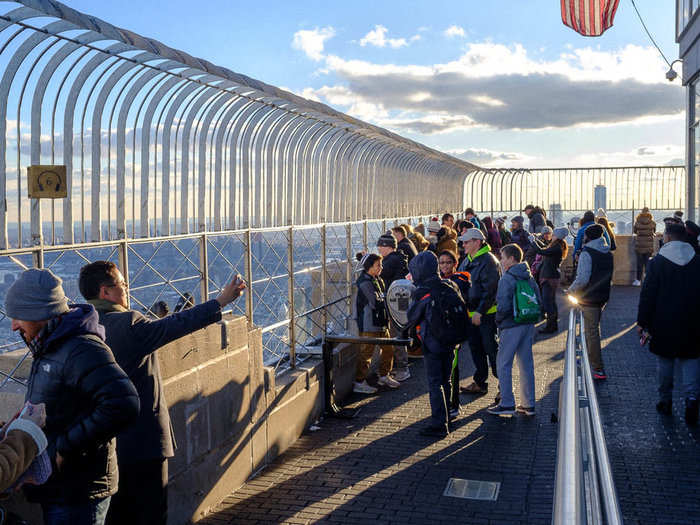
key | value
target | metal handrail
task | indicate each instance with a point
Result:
(584, 491)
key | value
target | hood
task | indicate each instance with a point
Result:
(520, 271)
(424, 268)
(644, 218)
(678, 252)
(81, 319)
(599, 245)
(482, 251)
(487, 222)
(446, 233)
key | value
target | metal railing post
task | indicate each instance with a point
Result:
(324, 277)
(291, 315)
(204, 267)
(364, 235)
(348, 276)
(124, 266)
(249, 278)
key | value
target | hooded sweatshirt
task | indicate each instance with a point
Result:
(506, 291)
(669, 303)
(589, 279)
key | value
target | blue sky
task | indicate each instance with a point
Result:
(508, 85)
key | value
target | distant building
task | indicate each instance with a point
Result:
(688, 38)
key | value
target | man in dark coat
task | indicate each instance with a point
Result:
(143, 448)
(485, 272)
(88, 398)
(669, 310)
(394, 266)
(537, 219)
(403, 244)
(518, 234)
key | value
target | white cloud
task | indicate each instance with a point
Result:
(486, 157)
(454, 31)
(312, 41)
(503, 87)
(377, 38)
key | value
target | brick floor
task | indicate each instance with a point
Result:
(375, 468)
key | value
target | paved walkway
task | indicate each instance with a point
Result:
(375, 468)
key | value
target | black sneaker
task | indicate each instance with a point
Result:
(498, 410)
(599, 374)
(439, 431)
(664, 407)
(528, 411)
(691, 411)
(453, 413)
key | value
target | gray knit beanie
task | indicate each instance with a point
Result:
(387, 239)
(36, 296)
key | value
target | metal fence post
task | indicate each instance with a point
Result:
(249, 278)
(292, 315)
(364, 235)
(348, 275)
(204, 267)
(324, 277)
(124, 266)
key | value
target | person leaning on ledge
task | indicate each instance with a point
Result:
(143, 448)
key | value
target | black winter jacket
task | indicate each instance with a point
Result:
(89, 399)
(134, 340)
(551, 260)
(394, 266)
(669, 308)
(485, 273)
(407, 248)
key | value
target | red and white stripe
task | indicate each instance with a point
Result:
(589, 17)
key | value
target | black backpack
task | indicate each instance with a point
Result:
(447, 314)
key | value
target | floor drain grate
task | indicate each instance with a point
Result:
(472, 489)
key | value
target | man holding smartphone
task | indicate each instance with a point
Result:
(143, 448)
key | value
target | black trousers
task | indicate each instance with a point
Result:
(484, 346)
(143, 494)
(642, 260)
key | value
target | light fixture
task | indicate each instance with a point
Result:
(671, 74)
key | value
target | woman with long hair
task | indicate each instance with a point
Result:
(493, 238)
(549, 275)
(603, 221)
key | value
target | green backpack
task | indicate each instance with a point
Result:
(526, 308)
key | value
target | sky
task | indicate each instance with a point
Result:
(499, 84)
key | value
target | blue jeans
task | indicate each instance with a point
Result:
(516, 341)
(690, 377)
(438, 368)
(91, 512)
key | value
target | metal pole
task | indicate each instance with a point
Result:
(124, 265)
(249, 278)
(324, 277)
(290, 281)
(204, 267)
(348, 275)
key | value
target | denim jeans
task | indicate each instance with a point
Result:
(690, 377)
(91, 512)
(438, 368)
(484, 346)
(516, 341)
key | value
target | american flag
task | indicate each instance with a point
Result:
(589, 17)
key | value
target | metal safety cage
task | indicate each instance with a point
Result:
(158, 143)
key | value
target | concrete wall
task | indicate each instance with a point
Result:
(230, 414)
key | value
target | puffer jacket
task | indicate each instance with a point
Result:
(506, 291)
(89, 399)
(447, 240)
(485, 271)
(420, 242)
(424, 270)
(668, 304)
(645, 233)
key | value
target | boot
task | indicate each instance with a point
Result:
(551, 326)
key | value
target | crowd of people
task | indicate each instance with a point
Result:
(493, 269)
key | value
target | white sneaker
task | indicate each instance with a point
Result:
(402, 375)
(388, 381)
(363, 388)
(636, 282)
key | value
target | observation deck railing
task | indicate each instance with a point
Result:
(584, 491)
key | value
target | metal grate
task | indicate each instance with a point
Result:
(472, 489)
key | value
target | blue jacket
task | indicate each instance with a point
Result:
(578, 242)
(424, 270)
